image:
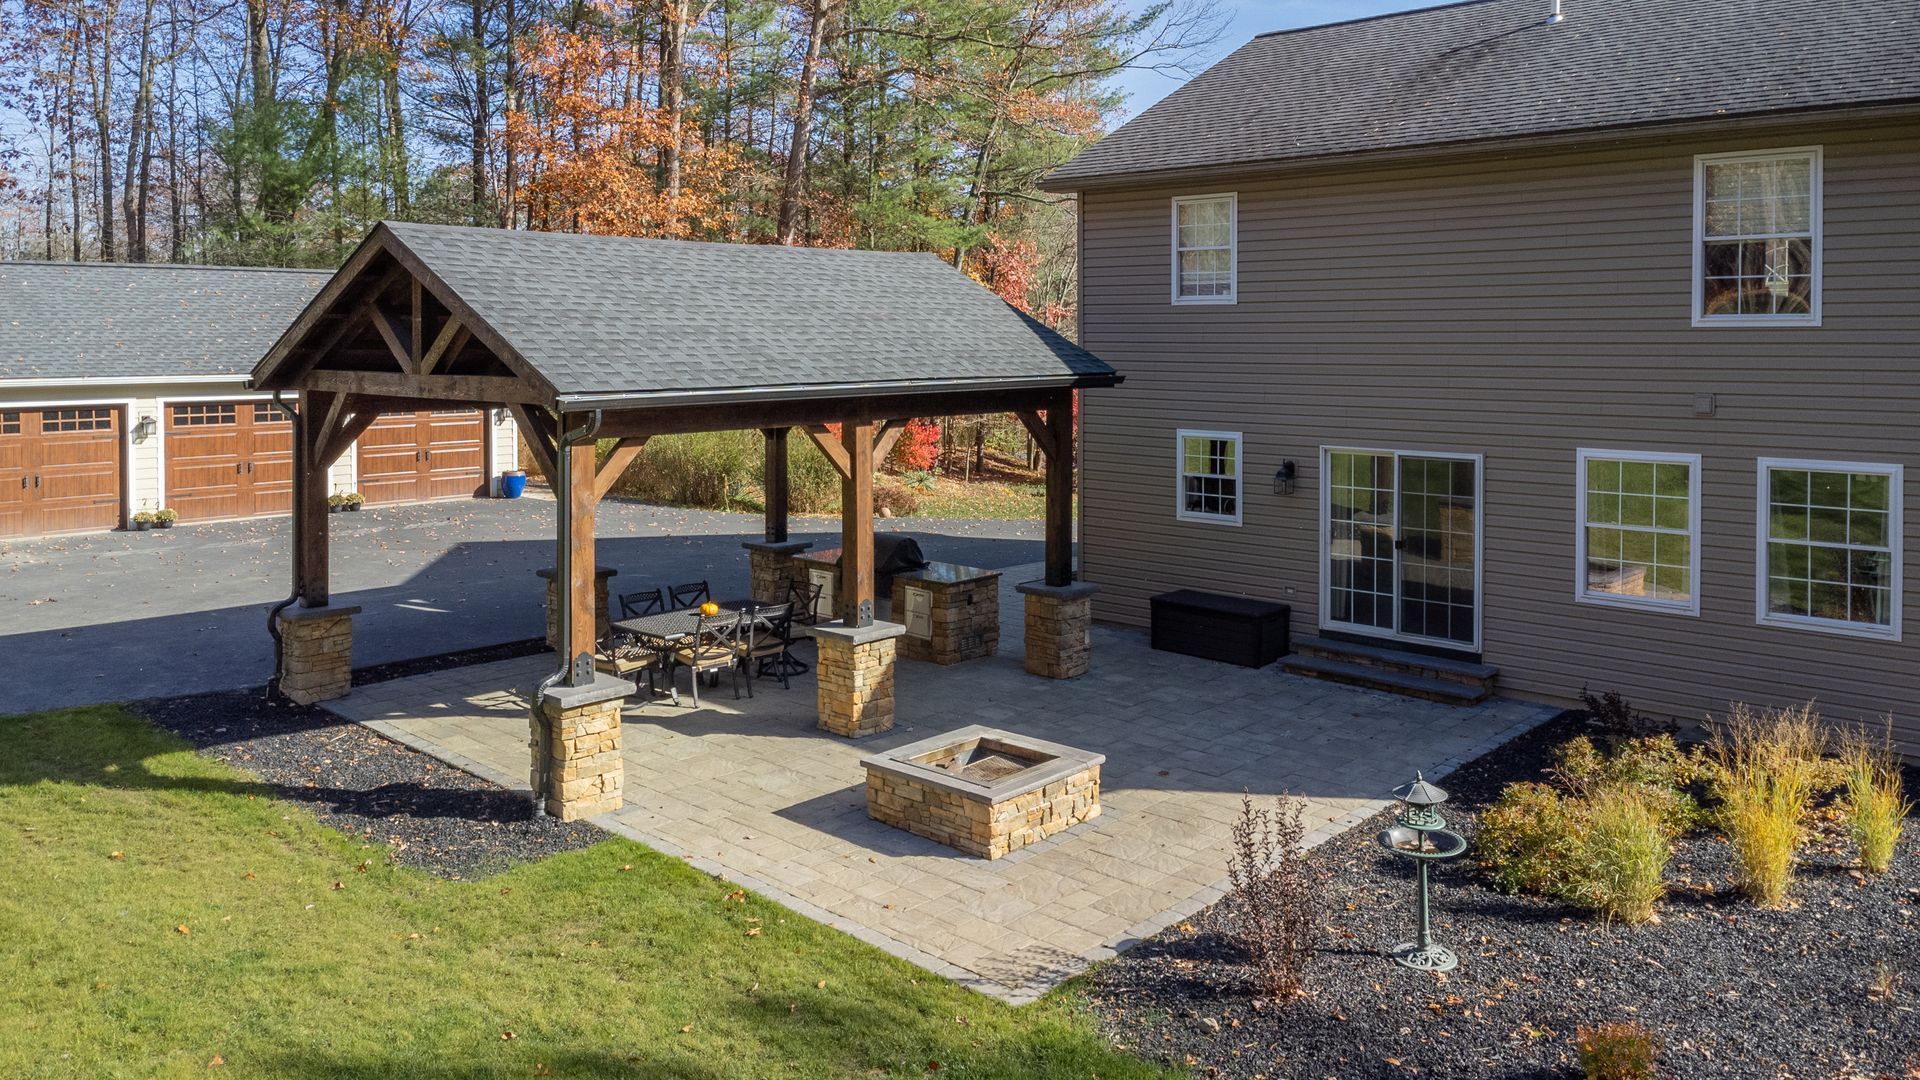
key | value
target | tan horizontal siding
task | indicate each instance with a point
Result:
(1520, 308)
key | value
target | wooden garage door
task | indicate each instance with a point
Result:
(228, 459)
(59, 470)
(412, 457)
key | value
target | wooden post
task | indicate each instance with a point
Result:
(582, 497)
(1059, 496)
(856, 523)
(776, 484)
(310, 498)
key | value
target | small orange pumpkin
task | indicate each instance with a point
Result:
(709, 608)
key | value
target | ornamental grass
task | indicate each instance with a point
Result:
(1876, 806)
(1772, 766)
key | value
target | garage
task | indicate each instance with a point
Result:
(60, 469)
(430, 454)
(228, 459)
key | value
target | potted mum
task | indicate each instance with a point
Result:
(141, 521)
(164, 517)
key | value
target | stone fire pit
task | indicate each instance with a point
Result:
(983, 790)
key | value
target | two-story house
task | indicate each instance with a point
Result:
(1580, 343)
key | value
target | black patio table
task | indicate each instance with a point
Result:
(669, 628)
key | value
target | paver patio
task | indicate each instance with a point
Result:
(754, 792)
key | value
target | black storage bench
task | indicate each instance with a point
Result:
(1235, 629)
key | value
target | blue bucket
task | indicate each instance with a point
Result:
(513, 484)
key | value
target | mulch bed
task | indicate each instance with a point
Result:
(430, 814)
(1829, 988)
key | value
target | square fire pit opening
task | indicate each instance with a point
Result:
(983, 790)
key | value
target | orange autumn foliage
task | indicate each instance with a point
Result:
(594, 152)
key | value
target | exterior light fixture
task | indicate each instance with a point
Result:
(143, 429)
(1421, 834)
(1283, 479)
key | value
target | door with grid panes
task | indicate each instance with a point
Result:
(228, 459)
(429, 454)
(60, 470)
(1402, 546)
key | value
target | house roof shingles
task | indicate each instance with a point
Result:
(616, 315)
(1490, 70)
(146, 322)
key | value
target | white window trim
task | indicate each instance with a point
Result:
(1896, 525)
(1816, 192)
(1689, 606)
(1233, 247)
(1180, 510)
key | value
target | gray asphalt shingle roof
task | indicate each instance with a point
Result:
(599, 314)
(1496, 69)
(149, 321)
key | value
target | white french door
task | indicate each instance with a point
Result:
(1400, 545)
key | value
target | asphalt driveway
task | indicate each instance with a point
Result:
(116, 616)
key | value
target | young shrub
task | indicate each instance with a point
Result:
(1527, 840)
(1279, 896)
(1653, 764)
(1771, 769)
(892, 498)
(1876, 805)
(1621, 1050)
(1620, 859)
(1617, 719)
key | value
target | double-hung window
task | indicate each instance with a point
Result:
(1757, 238)
(1830, 546)
(1204, 228)
(1639, 539)
(1209, 476)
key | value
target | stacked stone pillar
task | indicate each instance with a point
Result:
(316, 653)
(600, 615)
(575, 739)
(773, 569)
(855, 677)
(1059, 628)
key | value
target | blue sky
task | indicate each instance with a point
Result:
(1250, 17)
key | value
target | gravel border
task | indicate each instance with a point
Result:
(429, 814)
(1728, 989)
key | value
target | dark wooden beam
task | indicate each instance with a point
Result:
(390, 331)
(350, 429)
(417, 330)
(616, 464)
(451, 339)
(884, 436)
(475, 390)
(541, 433)
(834, 449)
(310, 501)
(1037, 427)
(856, 523)
(779, 494)
(283, 369)
(1059, 497)
(327, 426)
(669, 420)
(582, 617)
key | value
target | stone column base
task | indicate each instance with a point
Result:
(773, 568)
(855, 676)
(576, 748)
(316, 653)
(1059, 628)
(600, 577)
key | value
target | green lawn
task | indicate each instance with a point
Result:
(162, 911)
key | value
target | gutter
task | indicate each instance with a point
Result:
(823, 391)
(120, 380)
(299, 584)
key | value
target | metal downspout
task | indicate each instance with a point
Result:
(562, 588)
(299, 585)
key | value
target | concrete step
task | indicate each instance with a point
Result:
(1375, 677)
(1465, 672)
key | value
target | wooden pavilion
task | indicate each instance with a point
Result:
(586, 338)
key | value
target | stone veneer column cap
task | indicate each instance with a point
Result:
(602, 572)
(298, 613)
(604, 687)
(784, 547)
(860, 635)
(1075, 591)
